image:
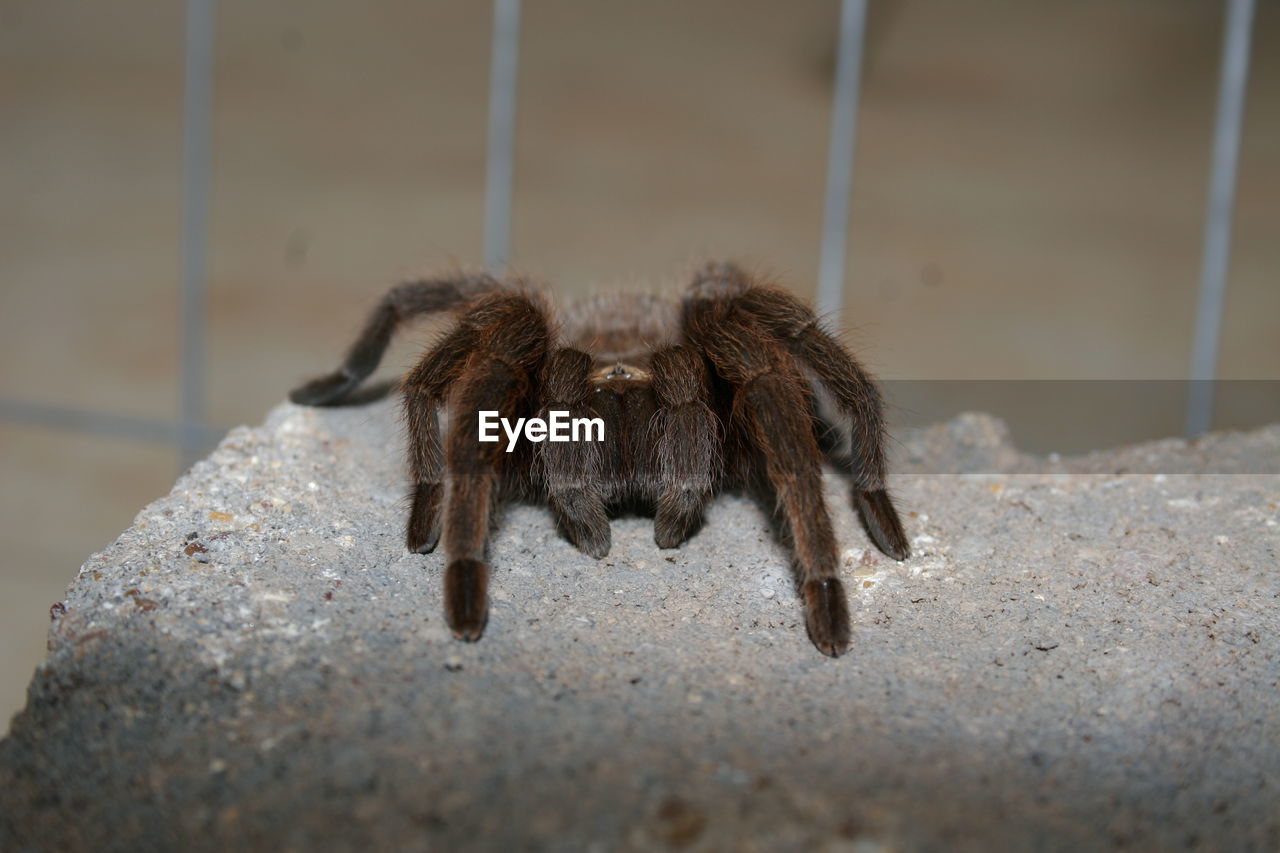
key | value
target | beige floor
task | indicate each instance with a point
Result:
(1030, 185)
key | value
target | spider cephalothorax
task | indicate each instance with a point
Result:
(714, 390)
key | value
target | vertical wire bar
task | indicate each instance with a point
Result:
(197, 110)
(844, 116)
(1217, 226)
(500, 157)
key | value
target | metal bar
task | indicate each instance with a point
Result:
(1217, 226)
(197, 113)
(844, 117)
(500, 158)
(49, 416)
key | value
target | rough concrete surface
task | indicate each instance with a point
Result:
(1075, 658)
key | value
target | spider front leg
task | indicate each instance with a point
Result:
(511, 340)
(687, 446)
(572, 470)
(772, 407)
(424, 391)
(487, 385)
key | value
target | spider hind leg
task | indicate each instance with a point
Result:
(400, 304)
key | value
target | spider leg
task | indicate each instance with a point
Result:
(401, 303)
(486, 385)
(687, 443)
(511, 339)
(854, 392)
(572, 470)
(771, 406)
(424, 391)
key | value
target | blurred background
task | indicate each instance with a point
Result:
(1028, 204)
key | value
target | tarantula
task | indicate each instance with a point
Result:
(719, 389)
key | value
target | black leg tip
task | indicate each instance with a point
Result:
(827, 616)
(669, 532)
(590, 536)
(423, 530)
(324, 391)
(583, 521)
(666, 539)
(598, 548)
(882, 523)
(466, 605)
(593, 543)
(421, 545)
(678, 517)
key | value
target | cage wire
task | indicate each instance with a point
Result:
(191, 435)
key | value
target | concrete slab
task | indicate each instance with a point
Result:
(1075, 658)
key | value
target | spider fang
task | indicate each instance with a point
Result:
(611, 372)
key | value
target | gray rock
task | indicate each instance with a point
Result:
(1074, 658)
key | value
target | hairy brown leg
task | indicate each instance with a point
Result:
(511, 339)
(400, 303)
(687, 443)
(771, 404)
(573, 471)
(424, 391)
(857, 396)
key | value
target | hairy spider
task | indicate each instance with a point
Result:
(715, 390)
